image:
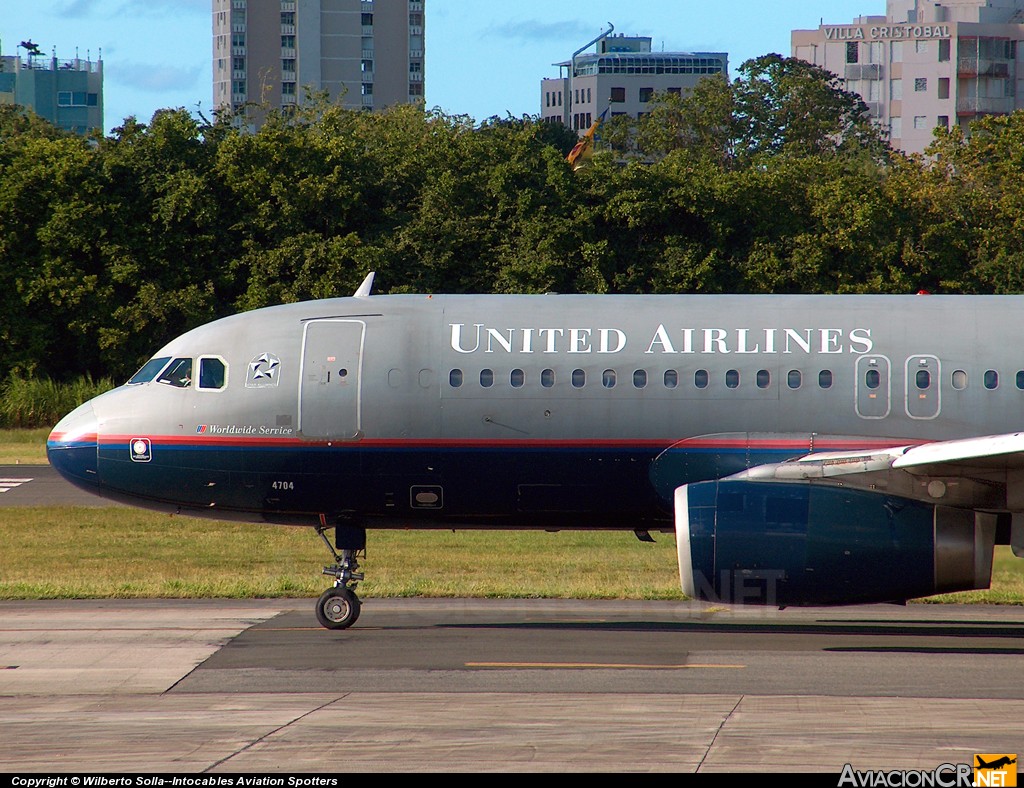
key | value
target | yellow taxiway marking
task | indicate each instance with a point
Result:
(604, 665)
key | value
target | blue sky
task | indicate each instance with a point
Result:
(483, 58)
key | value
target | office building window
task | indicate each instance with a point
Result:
(416, 20)
(287, 17)
(415, 88)
(367, 20)
(920, 122)
(921, 46)
(852, 52)
(618, 95)
(646, 94)
(367, 88)
(920, 84)
(287, 88)
(943, 121)
(943, 50)
(588, 96)
(943, 87)
(287, 42)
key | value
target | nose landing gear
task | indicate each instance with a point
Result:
(338, 607)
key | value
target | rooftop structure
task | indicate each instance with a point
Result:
(68, 93)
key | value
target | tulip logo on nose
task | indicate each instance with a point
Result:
(141, 450)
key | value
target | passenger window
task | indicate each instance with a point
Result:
(486, 378)
(794, 380)
(732, 379)
(873, 379)
(764, 378)
(991, 379)
(923, 379)
(213, 374)
(579, 378)
(960, 380)
(517, 378)
(700, 378)
(671, 379)
(149, 371)
(455, 378)
(640, 379)
(547, 378)
(825, 379)
(178, 374)
(608, 379)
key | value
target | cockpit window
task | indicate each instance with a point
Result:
(213, 373)
(149, 371)
(178, 374)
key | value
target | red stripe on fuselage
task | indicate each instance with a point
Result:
(796, 444)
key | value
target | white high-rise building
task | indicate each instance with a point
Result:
(623, 74)
(925, 64)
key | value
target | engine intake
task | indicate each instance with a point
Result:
(804, 543)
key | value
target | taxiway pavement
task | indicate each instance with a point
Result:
(487, 685)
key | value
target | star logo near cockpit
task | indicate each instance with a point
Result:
(263, 372)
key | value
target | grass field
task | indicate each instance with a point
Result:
(48, 553)
(23, 446)
(52, 553)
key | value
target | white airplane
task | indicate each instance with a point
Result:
(804, 449)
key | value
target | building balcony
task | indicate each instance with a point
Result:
(415, 53)
(287, 100)
(982, 67)
(287, 5)
(236, 28)
(367, 54)
(240, 51)
(367, 101)
(864, 71)
(288, 52)
(415, 30)
(969, 106)
(288, 76)
(415, 76)
(415, 5)
(238, 98)
(236, 74)
(288, 30)
(368, 30)
(238, 5)
(367, 6)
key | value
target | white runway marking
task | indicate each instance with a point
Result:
(10, 484)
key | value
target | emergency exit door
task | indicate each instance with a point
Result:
(330, 393)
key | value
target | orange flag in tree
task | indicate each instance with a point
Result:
(584, 149)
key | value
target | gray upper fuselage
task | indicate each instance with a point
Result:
(778, 364)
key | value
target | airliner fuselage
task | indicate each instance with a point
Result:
(554, 412)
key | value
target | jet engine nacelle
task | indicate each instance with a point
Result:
(802, 543)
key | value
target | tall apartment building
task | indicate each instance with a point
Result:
(68, 93)
(622, 73)
(925, 64)
(364, 53)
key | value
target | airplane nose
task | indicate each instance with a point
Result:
(72, 447)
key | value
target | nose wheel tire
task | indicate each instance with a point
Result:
(337, 608)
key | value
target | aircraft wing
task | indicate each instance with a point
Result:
(983, 458)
